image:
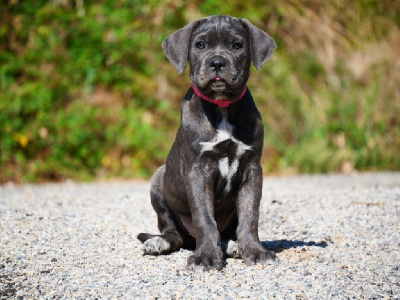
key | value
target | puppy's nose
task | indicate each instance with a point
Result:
(217, 64)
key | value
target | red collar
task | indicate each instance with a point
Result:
(219, 102)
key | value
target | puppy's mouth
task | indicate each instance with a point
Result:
(217, 84)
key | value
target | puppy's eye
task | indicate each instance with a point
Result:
(200, 45)
(237, 45)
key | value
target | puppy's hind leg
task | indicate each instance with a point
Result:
(170, 239)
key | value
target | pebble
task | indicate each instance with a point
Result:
(337, 236)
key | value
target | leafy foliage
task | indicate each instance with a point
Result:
(86, 90)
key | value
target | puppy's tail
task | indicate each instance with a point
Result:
(144, 236)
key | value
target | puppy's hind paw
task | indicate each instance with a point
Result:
(231, 249)
(155, 246)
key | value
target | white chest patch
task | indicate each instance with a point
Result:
(225, 132)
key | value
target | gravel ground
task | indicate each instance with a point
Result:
(337, 236)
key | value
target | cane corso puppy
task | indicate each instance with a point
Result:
(209, 190)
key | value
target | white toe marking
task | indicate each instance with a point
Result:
(232, 250)
(156, 245)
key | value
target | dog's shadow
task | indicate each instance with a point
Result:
(282, 245)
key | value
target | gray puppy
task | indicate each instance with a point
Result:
(209, 190)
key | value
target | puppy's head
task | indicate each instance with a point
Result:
(219, 50)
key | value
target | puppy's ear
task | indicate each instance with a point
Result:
(261, 44)
(176, 46)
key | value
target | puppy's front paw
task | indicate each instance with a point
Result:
(261, 257)
(156, 245)
(204, 262)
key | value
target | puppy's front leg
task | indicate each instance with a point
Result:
(208, 254)
(248, 206)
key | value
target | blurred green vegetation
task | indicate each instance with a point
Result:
(87, 92)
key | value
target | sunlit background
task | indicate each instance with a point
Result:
(87, 92)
